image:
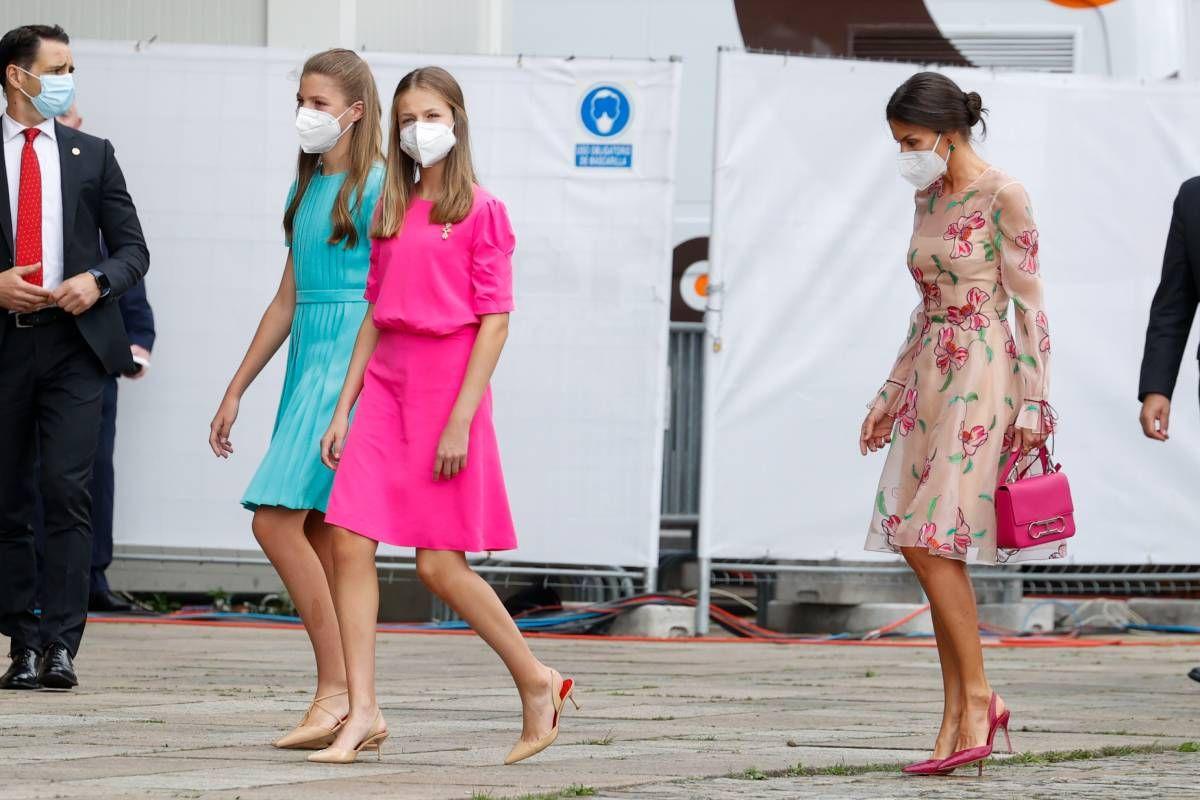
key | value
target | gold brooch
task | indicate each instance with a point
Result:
(446, 230)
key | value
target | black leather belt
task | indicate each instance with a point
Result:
(36, 319)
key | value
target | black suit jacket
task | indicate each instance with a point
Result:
(1174, 304)
(95, 203)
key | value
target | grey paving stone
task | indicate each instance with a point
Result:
(189, 712)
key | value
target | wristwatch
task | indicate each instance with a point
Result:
(101, 282)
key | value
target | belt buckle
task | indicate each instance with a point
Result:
(18, 320)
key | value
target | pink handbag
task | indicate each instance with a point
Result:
(1033, 510)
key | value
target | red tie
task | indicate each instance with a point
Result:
(29, 210)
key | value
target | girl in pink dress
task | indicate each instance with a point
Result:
(421, 467)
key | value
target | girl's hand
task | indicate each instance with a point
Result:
(334, 441)
(218, 431)
(876, 431)
(452, 450)
(1026, 440)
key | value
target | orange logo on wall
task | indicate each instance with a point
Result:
(1082, 3)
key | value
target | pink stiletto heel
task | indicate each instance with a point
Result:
(932, 766)
(977, 755)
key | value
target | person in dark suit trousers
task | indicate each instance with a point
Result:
(138, 319)
(1171, 315)
(61, 335)
(139, 325)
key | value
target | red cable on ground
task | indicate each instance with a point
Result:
(1047, 642)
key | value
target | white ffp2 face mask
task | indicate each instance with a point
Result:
(319, 131)
(922, 167)
(427, 143)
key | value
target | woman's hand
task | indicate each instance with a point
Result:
(334, 440)
(452, 450)
(876, 430)
(1026, 440)
(218, 431)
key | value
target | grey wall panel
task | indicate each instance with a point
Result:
(422, 26)
(241, 22)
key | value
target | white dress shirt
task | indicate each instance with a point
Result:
(45, 146)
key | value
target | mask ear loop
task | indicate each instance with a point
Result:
(30, 74)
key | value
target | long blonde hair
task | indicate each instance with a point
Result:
(458, 185)
(354, 78)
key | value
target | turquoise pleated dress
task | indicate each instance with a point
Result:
(330, 281)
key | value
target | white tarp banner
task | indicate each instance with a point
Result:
(205, 137)
(810, 227)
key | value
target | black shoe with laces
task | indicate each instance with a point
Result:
(58, 671)
(23, 673)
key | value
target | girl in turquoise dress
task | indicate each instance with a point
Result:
(320, 305)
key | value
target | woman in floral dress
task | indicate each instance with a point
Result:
(964, 397)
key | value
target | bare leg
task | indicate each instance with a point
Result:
(356, 597)
(948, 585)
(953, 702)
(281, 534)
(320, 537)
(952, 687)
(448, 575)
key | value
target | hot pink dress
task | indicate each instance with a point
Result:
(429, 291)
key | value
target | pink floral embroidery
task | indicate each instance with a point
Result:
(1029, 241)
(949, 354)
(962, 535)
(907, 417)
(971, 438)
(1061, 552)
(931, 293)
(928, 536)
(937, 186)
(889, 525)
(968, 317)
(960, 233)
(925, 472)
(1044, 325)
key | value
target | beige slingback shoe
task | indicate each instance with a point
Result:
(309, 736)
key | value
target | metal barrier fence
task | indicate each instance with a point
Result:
(681, 451)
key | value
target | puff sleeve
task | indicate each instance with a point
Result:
(491, 260)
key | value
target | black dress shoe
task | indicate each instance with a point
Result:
(1195, 674)
(23, 674)
(110, 601)
(57, 672)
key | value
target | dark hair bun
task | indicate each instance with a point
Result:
(974, 107)
(931, 100)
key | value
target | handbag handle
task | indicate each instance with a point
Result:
(1014, 461)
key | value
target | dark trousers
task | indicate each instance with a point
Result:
(51, 394)
(103, 489)
(103, 492)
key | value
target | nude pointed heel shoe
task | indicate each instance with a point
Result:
(372, 741)
(312, 736)
(523, 749)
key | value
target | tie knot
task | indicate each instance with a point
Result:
(31, 134)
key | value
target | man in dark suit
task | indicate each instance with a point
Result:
(1171, 316)
(139, 325)
(61, 336)
(138, 319)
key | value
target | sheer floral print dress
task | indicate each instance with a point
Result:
(961, 383)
